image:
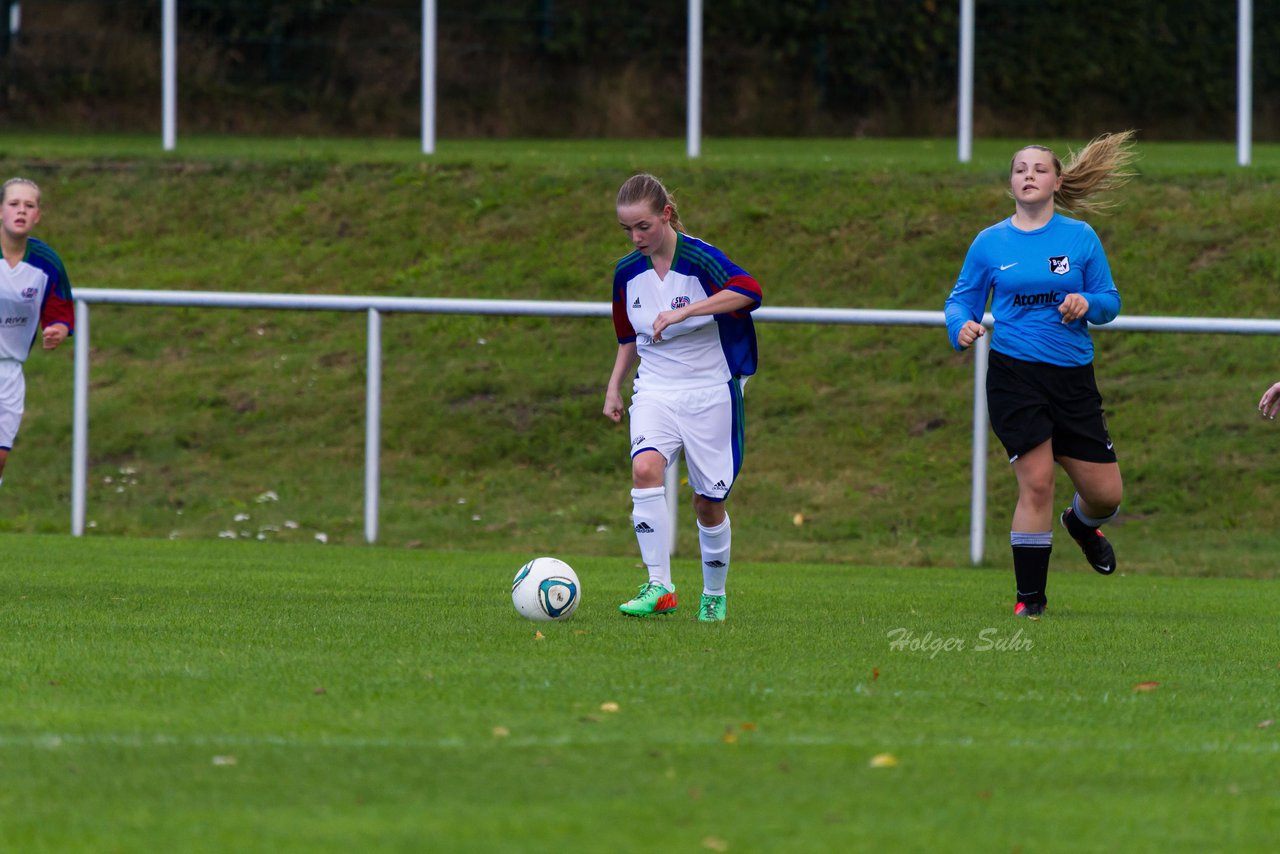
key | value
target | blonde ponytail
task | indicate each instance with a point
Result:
(1099, 167)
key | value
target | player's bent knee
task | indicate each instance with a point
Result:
(710, 513)
(648, 470)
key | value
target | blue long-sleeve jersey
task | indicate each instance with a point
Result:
(1027, 274)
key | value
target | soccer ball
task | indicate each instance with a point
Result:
(546, 589)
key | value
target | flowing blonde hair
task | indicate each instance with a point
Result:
(646, 188)
(1099, 167)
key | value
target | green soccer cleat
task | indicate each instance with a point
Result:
(652, 600)
(711, 609)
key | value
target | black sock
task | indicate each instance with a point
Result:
(1031, 571)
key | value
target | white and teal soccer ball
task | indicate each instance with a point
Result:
(546, 589)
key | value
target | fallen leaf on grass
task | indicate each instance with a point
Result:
(875, 673)
(224, 760)
(319, 690)
(1268, 722)
(729, 737)
(1146, 686)
(539, 636)
(748, 727)
(609, 707)
(883, 760)
(715, 843)
(501, 732)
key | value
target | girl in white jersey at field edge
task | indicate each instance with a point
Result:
(1048, 279)
(35, 294)
(680, 310)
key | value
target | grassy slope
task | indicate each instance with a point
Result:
(491, 432)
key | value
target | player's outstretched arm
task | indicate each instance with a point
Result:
(1269, 405)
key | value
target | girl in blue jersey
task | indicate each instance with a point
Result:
(1048, 278)
(681, 312)
(35, 295)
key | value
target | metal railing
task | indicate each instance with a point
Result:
(375, 307)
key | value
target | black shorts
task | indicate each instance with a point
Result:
(1030, 402)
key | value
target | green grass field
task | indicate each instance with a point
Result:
(219, 696)
(167, 690)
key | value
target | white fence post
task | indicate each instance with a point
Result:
(964, 99)
(169, 73)
(428, 76)
(671, 483)
(372, 427)
(1244, 83)
(80, 419)
(694, 82)
(978, 493)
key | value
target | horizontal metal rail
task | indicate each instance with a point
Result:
(376, 306)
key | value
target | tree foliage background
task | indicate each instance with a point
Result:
(565, 68)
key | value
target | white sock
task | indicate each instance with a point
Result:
(1089, 520)
(653, 532)
(715, 543)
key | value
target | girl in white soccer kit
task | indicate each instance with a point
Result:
(681, 309)
(35, 294)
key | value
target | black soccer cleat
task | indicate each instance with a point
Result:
(1097, 550)
(1030, 610)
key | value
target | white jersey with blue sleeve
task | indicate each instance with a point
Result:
(1027, 275)
(33, 294)
(699, 352)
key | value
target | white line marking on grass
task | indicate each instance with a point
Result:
(55, 741)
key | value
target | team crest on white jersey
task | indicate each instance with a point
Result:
(30, 293)
(679, 302)
(1059, 265)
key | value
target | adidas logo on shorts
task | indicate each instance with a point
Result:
(643, 528)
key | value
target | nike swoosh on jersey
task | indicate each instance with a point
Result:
(1004, 267)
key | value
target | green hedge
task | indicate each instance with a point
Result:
(511, 68)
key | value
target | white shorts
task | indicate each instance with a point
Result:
(13, 396)
(707, 423)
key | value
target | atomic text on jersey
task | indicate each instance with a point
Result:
(1027, 275)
